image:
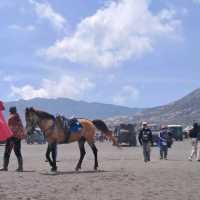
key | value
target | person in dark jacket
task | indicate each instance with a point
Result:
(16, 126)
(194, 132)
(146, 140)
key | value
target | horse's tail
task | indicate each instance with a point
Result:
(100, 125)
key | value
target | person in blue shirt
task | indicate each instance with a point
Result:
(163, 142)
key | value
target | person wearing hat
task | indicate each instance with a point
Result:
(163, 142)
(16, 126)
(146, 140)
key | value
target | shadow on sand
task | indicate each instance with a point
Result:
(72, 172)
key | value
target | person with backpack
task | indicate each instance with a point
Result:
(146, 141)
(164, 139)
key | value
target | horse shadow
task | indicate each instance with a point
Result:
(58, 173)
(27, 171)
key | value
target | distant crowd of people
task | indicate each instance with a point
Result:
(13, 132)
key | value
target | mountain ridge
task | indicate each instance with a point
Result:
(183, 111)
(70, 107)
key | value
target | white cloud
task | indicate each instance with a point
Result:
(126, 95)
(67, 86)
(22, 28)
(45, 11)
(122, 30)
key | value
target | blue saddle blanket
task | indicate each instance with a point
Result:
(74, 125)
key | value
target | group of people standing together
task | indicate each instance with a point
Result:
(165, 141)
(145, 138)
(11, 132)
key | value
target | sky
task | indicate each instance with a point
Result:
(135, 53)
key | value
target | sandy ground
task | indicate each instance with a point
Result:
(123, 175)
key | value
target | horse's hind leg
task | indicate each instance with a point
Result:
(81, 144)
(95, 150)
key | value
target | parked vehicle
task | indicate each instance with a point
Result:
(126, 134)
(36, 137)
(186, 131)
(155, 132)
(176, 131)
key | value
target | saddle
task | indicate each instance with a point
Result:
(69, 126)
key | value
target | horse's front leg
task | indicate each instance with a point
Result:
(49, 150)
(54, 155)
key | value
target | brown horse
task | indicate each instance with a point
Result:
(57, 135)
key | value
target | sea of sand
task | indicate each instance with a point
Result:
(122, 175)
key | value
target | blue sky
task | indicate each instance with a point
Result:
(137, 53)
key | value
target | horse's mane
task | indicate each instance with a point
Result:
(44, 114)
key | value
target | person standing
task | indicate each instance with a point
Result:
(16, 126)
(194, 141)
(163, 142)
(5, 131)
(146, 140)
(198, 144)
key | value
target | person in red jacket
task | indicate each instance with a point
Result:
(5, 131)
(16, 126)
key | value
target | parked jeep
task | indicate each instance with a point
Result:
(155, 129)
(176, 131)
(36, 137)
(126, 134)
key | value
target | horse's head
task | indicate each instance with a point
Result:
(38, 118)
(31, 120)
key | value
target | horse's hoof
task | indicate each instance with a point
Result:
(77, 168)
(54, 169)
(96, 168)
(52, 172)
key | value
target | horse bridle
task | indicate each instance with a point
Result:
(33, 124)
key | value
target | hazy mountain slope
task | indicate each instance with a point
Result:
(69, 108)
(183, 111)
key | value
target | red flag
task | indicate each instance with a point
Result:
(5, 131)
